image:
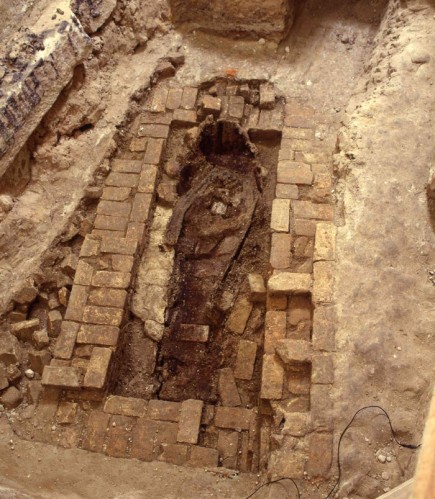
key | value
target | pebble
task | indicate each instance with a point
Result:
(382, 458)
(287, 50)
(385, 475)
(262, 41)
(29, 373)
(389, 459)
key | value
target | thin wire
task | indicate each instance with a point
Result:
(278, 480)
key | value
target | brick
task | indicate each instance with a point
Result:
(190, 420)
(324, 247)
(275, 329)
(267, 96)
(66, 413)
(193, 332)
(321, 407)
(185, 117)
(280, 252)
(142, 446)
(298, 133)
(84, 273)
(324, 320)
(116, 193)
(138, 144)
(98, 335)
(126, 406)
(239, 315)
(257, 288)
(227, 388)
(296, 424)
(188, 100)
(96, 374)
(103, 315)
(174, 98)
(294, 121)
(306, 209)
(54, 322)
(147, 181)
(287, 191)
(294, 351)
(305, 227)
(158, 104)
(320, 452)
(154, 152)
(203, 457)
(119, 246)
(272, 378)
(66, 340)
(61, 377)
(299, 381)
(121, 180)
(163, 118)
(291, 172)
(236, 107)
(299, 310)
(107, 279)
(141, 207)
(211, 105)
(289, 283)
(174, 454)
(246, 354)
(114, 209)
(155, 131)
(135, 232)
(322, 188)
(107, 297)
(313, 156)
(280, 219)
(164, 410)
(244, 457)
(122, 263)
(118, 436)
(90, 247)
(24, 330)
(286, 152)
(323, 286)
(126, 165)
(95, 431)
(276, 302)
(323, 369)
(104, 222)
(228, 447)
(234, 418)
(38, 361)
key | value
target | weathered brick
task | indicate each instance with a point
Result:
(227, 388)
(163, 118)
(246, 354)
(141, 207)
(24, 330)
(289, 283)
(119, 246)
(66, 413)
(275, 329)
(313, 156)
(174, 98)
(203, 457)
(323, 286)
(61, 377)
(320, 446)
(272, 378)
(295, 121)
(114, 209)
(98, 335)
(164, 410)
(142, 445)
(280, 251)
(298, 133)
(306, 209)
(276, 302)
(76, 303)
(324, 321)
(193, 332)
(190, 420)
(126, 165)
(154, 130)
(188, 100)
(211, 105)
(234, 418)
(305, 227)
(291, 172)
(324, 248)
(286, 152)
(90, 247)
(147, 181)
(104, 222)
(257, 288)
(54, 322)
(280, 219)
(108, 279)
(323, 369)
(294, 351)
(66, 340)
(228, 447)
(236, 107)
(239, 315)
(103, 315)
(135, 231)
(118, 436)
(267, 96)
(158, 104)
(107, 297)
(96, 374)
(95, 431)
(321, 407)
(138, 144)
(122, 180)
(154, 152)
(116, 193)
(185, 117)
(84, 273)
(174, 454)
(126, 406)
(122, 263)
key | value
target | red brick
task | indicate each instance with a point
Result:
(147, 182)
(275, 329)
(141, 207)
(116, 193)
(164, 410)
(174, 454)
(61, 377)
(190, 420)
(90, 247)
(108, 279)
(126, 165)
(203, 457)
(298, 133)
(95, 431)
(320, 451)
(324, 321)
(322, 369)
(96, 374)
(227, 388)
(114, 209)
(142, 446)
(119, 246)
(104, 222)
(188, 100)
(280, 252)
(126, 406)
(103, 315)
(122, 180)
(138, 144)
(84, 272)
(280, 218)
(155, 131)
(154, 152)
(185, 117)
(122, 263)
(287, 191)
(304, 227)
(98, 335)
(118, 436)
(107, 297)
(228, 447)
(245, 362)
(291, 172)
(306, 209)
(164, 118)
(66, 340)
(135, 232)
(233, 418)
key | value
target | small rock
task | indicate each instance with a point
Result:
(13, 374)
(219, 208)
(26, 295)
(6, 201)
(11, 398)
(287, 50)
(29, 373)
(385, 475)
(381, 458)
(40, 339)
(54, 322)
(69, 264)
(34, 390)
(63, 296)
(420, 57)
(176, 58)
(93, 192)
(389, 459)
(4, 382)
(262, 41)
(165, 69)
(53, 301)
(167, 193)
(172, 168)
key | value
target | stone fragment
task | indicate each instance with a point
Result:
(165, 69)
(246, 354)
(167, 193)
(190, 420)
(234, 418)
(239, 315)
(289, 283)
(203, 457)
(193, 332)
(11, 398)
(4, 382)
(69, 264)
(96, 373)
(227, 388)
(61, 377)
(294, 351)
(272, 378)
(25, 329)
(66, 413)
(13, 373)
(280, 219)
(267, 96)
(98, 335)
(257, 288)
(126, 406)
(66, 340)
(38, 360)
(54, 323)
(323, 369)
(323, 286)
(164, 410)
(280, 252)
(34, 390)
(26, 294)
(275, 329)
(17, 316)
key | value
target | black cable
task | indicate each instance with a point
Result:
(278, 480)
